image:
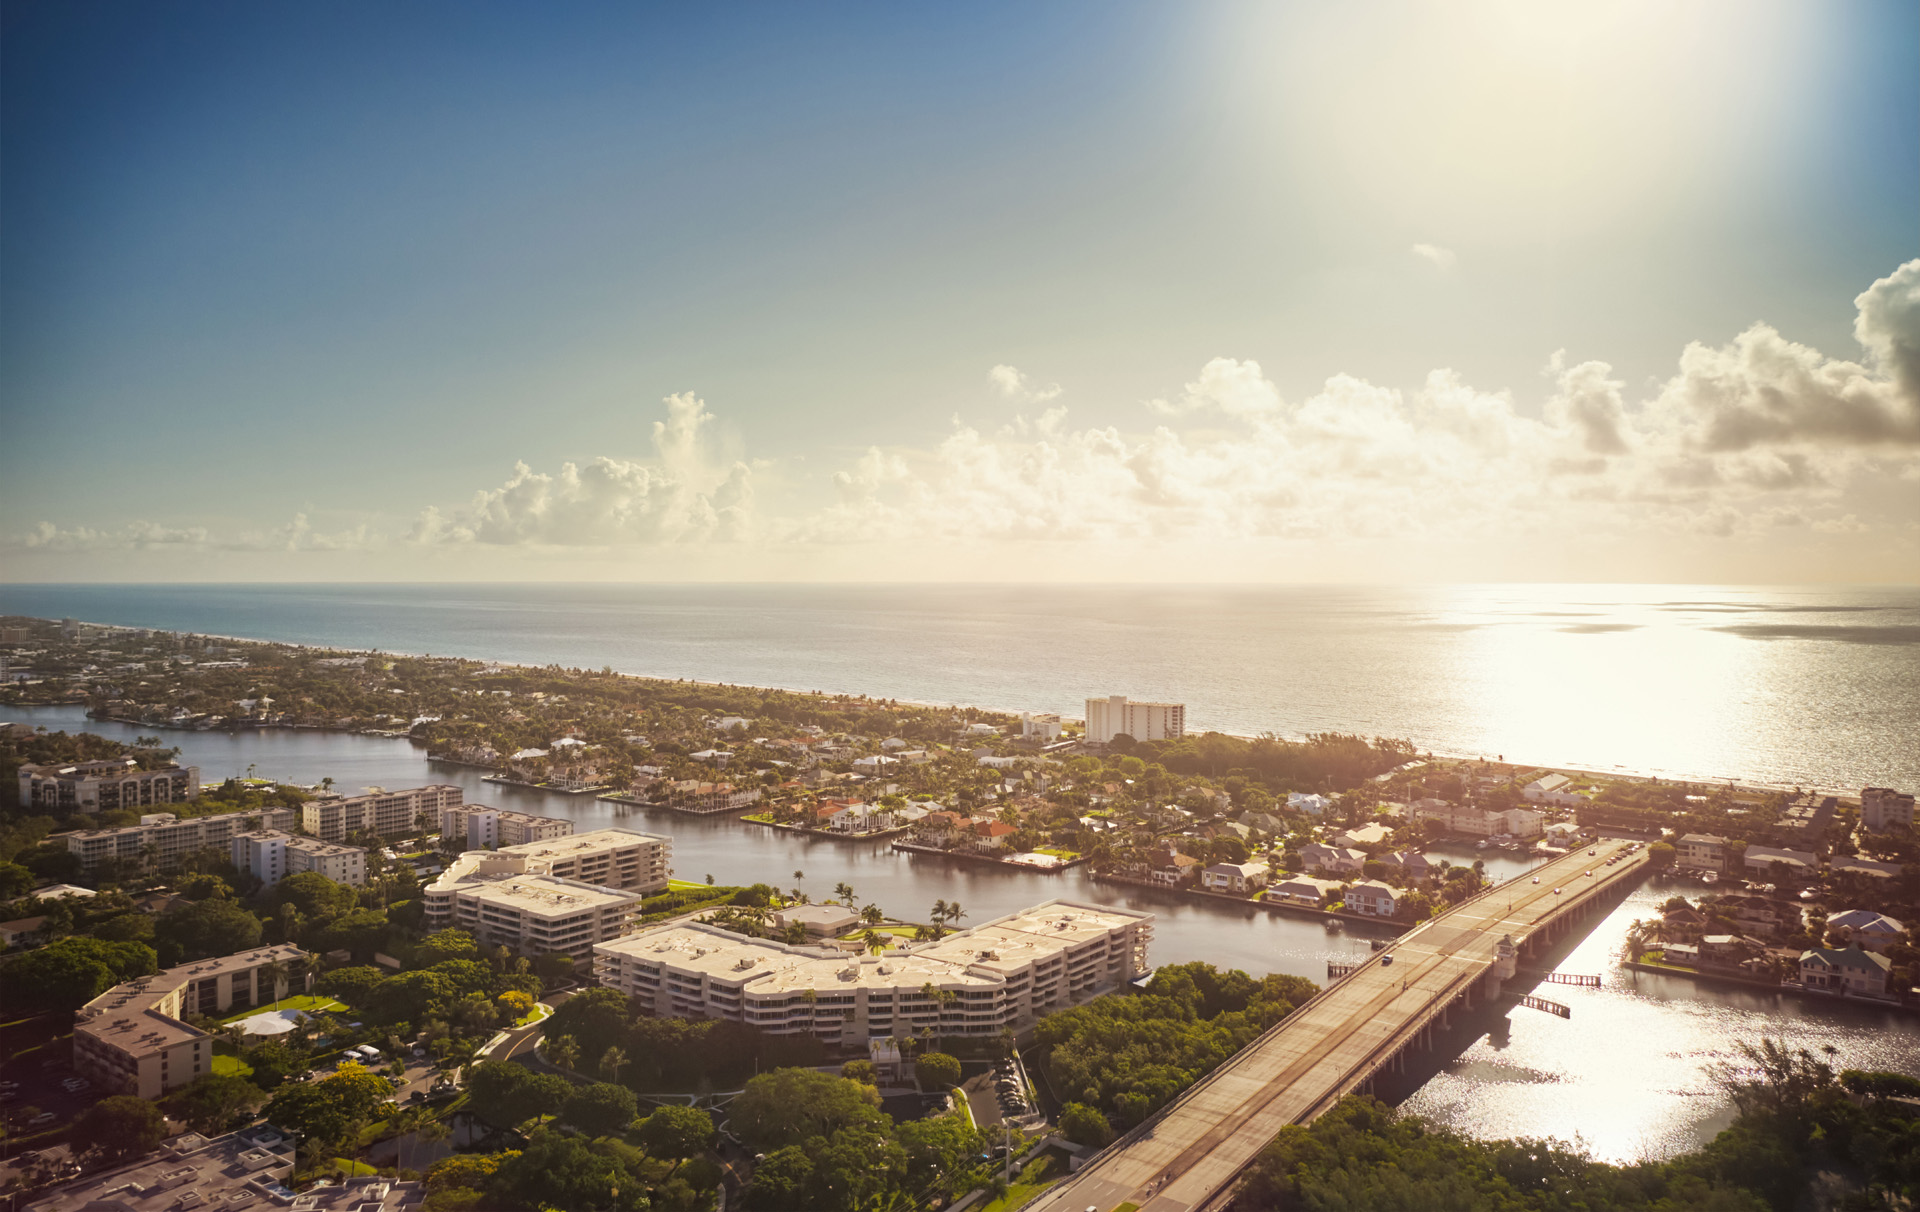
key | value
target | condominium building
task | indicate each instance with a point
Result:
(1883, 808)
(162, 839)
(611, 858)
(105, 786)
(1484, 822)
(507, 899)
(1039, 726)
(480, 827)
(132, 1040)
(387, 813)
(272, 855)
(1110, 717)
(1001, 975)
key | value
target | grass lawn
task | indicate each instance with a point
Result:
(539, 1011)
(685, 886)
(1041, 1172)
(226, 1064)
(302, 1001)
(1068, 855)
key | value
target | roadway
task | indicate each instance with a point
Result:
(1199, 1145)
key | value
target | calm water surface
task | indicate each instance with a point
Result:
(1627, 1074)
(1812, 686)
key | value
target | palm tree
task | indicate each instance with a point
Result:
(562, 1051)
(872, 915)
(432, 1131)
(955, 912)
(844, 891)
(275, 974)
(939, 917)
(875, 941)
(612, 1061)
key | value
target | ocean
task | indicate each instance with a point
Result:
(1791, 686)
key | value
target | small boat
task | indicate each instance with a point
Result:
(1333, 923)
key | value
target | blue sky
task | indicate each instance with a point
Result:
(291, 291)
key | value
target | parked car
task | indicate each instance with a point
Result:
(42, 1119)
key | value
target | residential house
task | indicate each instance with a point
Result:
(1172, 870)
(1411, 864)
(1238, 878)
(1854, 865)
(1265, 822)
(1372, 898)
(992, 835)
(1312, 805)
(1874, 931)
(1850, 969)
(1797, 866)
(1551, 789)
(1754, 912)
(1303, 890)
(1334, 860)
(23, 932)
(1728, 950)
(1364, 836)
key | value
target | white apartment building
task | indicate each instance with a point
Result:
(162, 839)
(1040, 726)
(611, 858)
(502, 898)
(485, 828)
(1881, 809)
(387, 813)
(977, 982)
(131, 1039)
(271, 856)
(1701, 852)
(104, 786)
(1109, 717)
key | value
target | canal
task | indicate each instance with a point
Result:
(1628, 1075)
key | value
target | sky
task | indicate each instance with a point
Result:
(1096, 291)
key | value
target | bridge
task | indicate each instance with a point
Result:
(1190, 1155)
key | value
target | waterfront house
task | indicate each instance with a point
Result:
(1848, 969)
(1797, 866)
(1411, 865)
(1873, 931)
(1332, 860)
(1302, 890)
(1552, 789)
(1872, 868)
(1372, 898)
(1753, 912)
(1728, 950)
(1238, 878)
(1701, 852)
(1172, 870)
(992, 835)
(1685, 954)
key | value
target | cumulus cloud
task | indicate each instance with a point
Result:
(682, 494)
(132, 536)
(1012, 382)
(1225, 385)
(1433, 254)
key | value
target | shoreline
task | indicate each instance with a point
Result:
(1618, 772)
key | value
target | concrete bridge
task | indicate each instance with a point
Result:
(1190, 1154)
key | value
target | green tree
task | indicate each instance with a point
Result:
(313, 895)
(613, 1060)
(69, 972)
(444, 945)
(211, 1104)
(333, 1107)
(600, 1109)
(675, 1132)
(558, 1171)
(118, 1128)
(1084, 1125)
(787, 1106)
(204, 929)
(937, 1071)
(596, 1019)
(505, 1094)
